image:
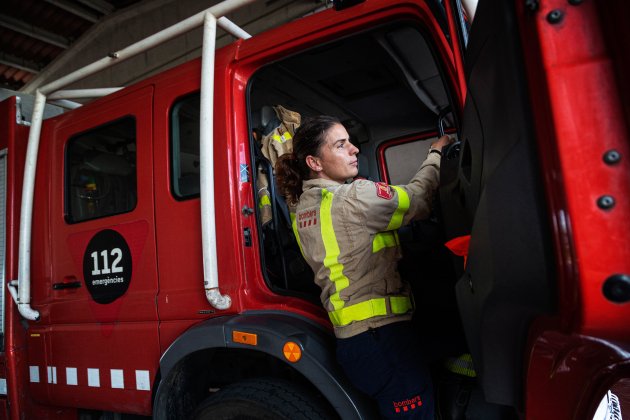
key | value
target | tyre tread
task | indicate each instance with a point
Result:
(274, 394)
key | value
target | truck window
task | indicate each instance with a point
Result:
(401, 159)
(185, 147)
(101, 171)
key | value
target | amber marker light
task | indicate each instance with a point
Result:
(292, 351)
(245, 338)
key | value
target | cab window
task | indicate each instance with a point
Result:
(185, 147)
(101, 171)
(401, 160)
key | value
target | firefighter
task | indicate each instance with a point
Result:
(347, 234)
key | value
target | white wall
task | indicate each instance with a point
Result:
(145, 18)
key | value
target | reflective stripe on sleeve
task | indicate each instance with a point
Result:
(384, 240)
(389, 238)
(369, 309)
(337, 277)
(295, 231)
(403, 206)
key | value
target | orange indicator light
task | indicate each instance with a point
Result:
(292, 351)
(244, 338)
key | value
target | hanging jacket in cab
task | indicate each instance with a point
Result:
(273, 145)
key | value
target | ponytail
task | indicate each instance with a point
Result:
(291, 168)
(289, 178)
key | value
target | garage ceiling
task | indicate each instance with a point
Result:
(34, 32)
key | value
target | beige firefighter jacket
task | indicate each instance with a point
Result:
(280, 140)
(347, 233)
(274, 145)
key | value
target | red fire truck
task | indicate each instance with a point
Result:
(142, 279)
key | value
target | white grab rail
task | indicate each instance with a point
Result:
(206, 168)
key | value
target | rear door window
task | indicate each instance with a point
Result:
(101, 171)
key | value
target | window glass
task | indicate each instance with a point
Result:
(185, 147)
(101, 171)
(403, 160)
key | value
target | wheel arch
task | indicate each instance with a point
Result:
(203, 355)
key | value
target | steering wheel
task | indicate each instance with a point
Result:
(450, 151)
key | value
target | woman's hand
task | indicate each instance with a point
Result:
(442, 141)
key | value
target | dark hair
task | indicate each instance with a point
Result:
(291, 168)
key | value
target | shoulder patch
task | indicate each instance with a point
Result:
(384, 191)
(307, 218)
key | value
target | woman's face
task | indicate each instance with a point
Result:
(337, 160)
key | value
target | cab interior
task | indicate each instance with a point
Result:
(388, 90)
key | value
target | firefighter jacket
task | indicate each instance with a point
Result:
(347, 234)
(278, 142)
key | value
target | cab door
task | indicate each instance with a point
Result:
(97, 294)
(491, 189)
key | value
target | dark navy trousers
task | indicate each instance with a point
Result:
(386, 363)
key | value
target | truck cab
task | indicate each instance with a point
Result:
(536, 299)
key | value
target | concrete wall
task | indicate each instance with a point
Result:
(129, 25)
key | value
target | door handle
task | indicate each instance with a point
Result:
(69, 282)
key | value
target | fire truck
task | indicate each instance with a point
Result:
(141, 279)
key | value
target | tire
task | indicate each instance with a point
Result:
(262, 399)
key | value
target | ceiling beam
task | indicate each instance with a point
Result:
(75, 9)
(100, 6)
(34, 32)
(19, 63)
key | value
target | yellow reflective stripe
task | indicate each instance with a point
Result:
(264, 201)
(358, 312)
(388, 238)
(462, 365)
(295, 231)
(369, 309)
(384, 240)
(332, 250)
(282, 138)
(403, 206)
(400, 304)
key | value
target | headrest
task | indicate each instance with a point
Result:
(267, 114)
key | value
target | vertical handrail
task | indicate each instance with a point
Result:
(206, 168)
(22, 294)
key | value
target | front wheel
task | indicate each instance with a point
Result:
(262, 399)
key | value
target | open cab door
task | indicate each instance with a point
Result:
(534, 186)
(491, 191)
